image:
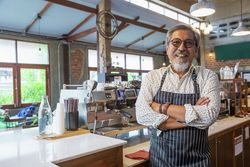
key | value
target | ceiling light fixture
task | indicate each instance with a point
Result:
(241, 30)
(202, 9)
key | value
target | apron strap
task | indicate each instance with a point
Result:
(196, 85)
(163, 79)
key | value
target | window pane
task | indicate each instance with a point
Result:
(32, 53)
(92, 58)
(171, 14)
(118, 60)
(33, 85)
(93, 75)
(133, 61)
(7, 51)
(133, 76)
(156, 8)
(6, 86)
(143, 74)
(142, 3)
(146, 63)
(183, 18)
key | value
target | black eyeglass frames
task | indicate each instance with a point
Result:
(188, 43)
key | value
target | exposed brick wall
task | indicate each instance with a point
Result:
(211, 63)
(77, 63)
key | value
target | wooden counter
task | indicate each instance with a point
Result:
(219, 128)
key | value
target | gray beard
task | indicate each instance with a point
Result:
(180, 67)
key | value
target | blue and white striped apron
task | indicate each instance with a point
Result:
(183, 147)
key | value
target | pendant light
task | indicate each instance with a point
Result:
(241, 30)
(202, 9)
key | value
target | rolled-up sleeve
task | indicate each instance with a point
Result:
(203, 116)
(144, 113)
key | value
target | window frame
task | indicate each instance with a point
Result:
(140, 71)
(16, 67)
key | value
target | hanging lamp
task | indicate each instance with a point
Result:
(202, 9)
(241, 30)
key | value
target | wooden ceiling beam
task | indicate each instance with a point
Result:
(144, 36)
(140, 24)
(74, 5)
(82, 34)
(39, 15)
(81, 23)
(124, 25)
(156, 45)
(84, 8)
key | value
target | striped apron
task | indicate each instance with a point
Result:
(183, 147)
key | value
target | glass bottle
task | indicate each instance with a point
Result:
(45, 119)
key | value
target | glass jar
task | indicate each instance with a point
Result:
(45, 119)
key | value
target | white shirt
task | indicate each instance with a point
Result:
(196, 115)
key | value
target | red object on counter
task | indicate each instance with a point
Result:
(141, 154)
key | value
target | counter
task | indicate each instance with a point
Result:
(218, 127)
(19, 148)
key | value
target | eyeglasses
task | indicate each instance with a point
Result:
(188, 43)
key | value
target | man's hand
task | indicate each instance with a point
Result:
(203, 101)
(155, 106)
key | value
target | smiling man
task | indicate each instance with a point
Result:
(179, 103)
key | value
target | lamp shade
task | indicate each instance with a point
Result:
(202, 8)
(241, 30)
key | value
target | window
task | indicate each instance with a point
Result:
(134, 65)
(142, 3)
(133, 76)
(183, 18)
(23, 76)
(33, 84)
(92, 58)
(118, 60)
(7, 51)
(133, 62)
(93, 75)
(171, 14)
(32, 53)
(6, 86)
(156, 8)
(147, 63)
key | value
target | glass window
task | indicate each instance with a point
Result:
(133, 61)
(117, 60)
(146, 63)
(7, 51)
(194, 23)
(143, 74)
(156, 8)
(171, 14)
(142, 3)
(133, 76)
(183, 18)
(33, 84)
(32, 53)
(92, 58)
(6, 86)
(93, 75)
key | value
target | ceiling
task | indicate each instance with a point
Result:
(75, 20)
(58, 21)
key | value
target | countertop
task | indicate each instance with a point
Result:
(20, 148)
(217, 127)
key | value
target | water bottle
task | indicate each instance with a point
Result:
(45, 119)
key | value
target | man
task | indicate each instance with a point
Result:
(179, 102)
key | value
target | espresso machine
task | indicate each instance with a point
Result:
(111, 108)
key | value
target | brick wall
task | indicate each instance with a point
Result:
(211, 63)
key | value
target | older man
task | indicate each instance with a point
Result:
(179, 102)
